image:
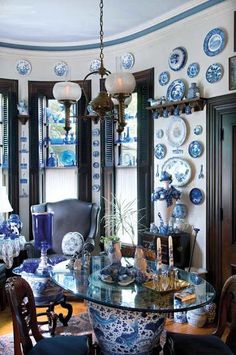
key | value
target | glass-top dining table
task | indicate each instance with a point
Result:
(129, 319)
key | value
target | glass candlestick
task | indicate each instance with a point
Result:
(43, 230)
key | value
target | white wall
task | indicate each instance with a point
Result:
(150, 51)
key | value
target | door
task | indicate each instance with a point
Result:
(228, 195)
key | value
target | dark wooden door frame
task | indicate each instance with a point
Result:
(215, 108)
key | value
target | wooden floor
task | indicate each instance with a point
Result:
(78, 307)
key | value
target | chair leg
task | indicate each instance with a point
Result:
(65, 319)
(2, 298)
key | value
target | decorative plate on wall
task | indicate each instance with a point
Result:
(61, 69)
(23, 67)
(164, 78)
(176, 90)
(195, 149)
(177, 58)
(179, 169)
(198, 130)
(193, 70)
(96, 188)
(176, 132)
(94, 65)
(67, 158)
(196, 196)
(160, 133)
(96, 132)
(127, 60)
(160, 151)
(214, 42)
(214, 73)
(96, 164)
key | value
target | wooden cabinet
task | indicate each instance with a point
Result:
(181, 247)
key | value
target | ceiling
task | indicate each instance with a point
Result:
(54, 24)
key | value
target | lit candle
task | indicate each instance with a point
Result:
(170, 247)
(159, 256)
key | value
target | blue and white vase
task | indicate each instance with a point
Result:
(193, 91)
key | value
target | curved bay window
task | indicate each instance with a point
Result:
(9, 140)
(60, 160)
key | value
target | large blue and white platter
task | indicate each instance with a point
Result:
(178, 58)
(193, 70)
(164, 78)
(214, 42)
(179, 169)
(176, 90)
(214, 73)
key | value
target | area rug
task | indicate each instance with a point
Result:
(77, 325)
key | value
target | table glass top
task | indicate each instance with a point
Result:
(132, 297)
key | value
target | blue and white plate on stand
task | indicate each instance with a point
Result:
(214, 42)
(160, 151)
(195, 149)
(196, 196)
(176, 90)
(214, 73)
(127, 61)
(23, 67)
(61, 69)
(164, 78)
(193, 70)
(178, 58)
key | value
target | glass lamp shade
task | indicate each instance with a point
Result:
(5, 205)
(42, 229)
(67, 90)
(120, 83)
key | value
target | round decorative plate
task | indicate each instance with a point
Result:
(127, 60)
(193, 70)
(72, 242)
(96, 143)
(96, 154)
(164, 78)
(61, 69)
(177, 58)
(96, 176)
(160, 151)
(195, 149)
(176, 132)
(198, 130)
(94, 65)
(23, 67)
(160, 133)
(176, 90)
(179, 169)
(214, 73)
(67, 158)
(214, 42)
(96, 164)
(196, 196)
(96, 188)
(96, 132)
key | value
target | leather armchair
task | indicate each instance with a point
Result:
(70, 215)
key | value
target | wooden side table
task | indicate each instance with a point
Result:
(181, 247)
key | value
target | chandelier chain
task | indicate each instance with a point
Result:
(101, 32)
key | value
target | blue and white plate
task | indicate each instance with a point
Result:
(196, 196)
(193, 70)
(94, 65)
(61, 69)
(96, 188)
(164, 78)
(96, 176)
(160, 133)
(214, 42)
(23, 67)
(96, 154)
(127, 60)
(214, 73)
(176, 90)
(198, 130)
(67, 158)
(179, 169)
(96, 164)
(96, 132)
(177, 58)
(160, 151)
(96, 143)
(195, 149)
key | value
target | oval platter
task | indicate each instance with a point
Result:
(179, 169)
(176, 132)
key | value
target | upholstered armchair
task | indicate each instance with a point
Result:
(70, 215)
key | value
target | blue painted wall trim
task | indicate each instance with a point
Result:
(136, 35)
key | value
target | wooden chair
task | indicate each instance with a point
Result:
(185, 344)
(22, 305)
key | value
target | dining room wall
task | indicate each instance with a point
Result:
(149, 51)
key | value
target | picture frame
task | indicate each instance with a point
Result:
(232, 73)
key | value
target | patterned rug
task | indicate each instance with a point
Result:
(78, 325)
